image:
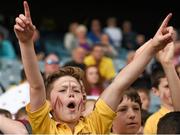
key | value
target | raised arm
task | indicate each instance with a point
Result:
(131, 72)
(165, 57)
(9, 126)
(24, 30)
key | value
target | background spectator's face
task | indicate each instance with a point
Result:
(112, 22)
(95, 26)
(51, 64)
(128, 119)
(92, 75)
(105, 38)
(140, 39)
(164, 92)
(126, 26)
(145, 99)
(79, 54)
(81, 32)
(98, 53)
(73, 27)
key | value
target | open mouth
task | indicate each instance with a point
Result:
(71, 105)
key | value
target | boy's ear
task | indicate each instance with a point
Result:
(155, 91)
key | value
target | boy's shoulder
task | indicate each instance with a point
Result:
(158, 114)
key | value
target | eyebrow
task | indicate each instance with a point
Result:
(65, 86)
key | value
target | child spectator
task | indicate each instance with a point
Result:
(65, 88)
(9, 126)
(164, 82)
(94, 81)
(128, 119)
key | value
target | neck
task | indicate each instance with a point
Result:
(72, 126)
(169, 107)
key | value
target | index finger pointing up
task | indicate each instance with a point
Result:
(27, 11)
(165, 22)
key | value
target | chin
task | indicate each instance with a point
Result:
(73, 118)
(133, 131)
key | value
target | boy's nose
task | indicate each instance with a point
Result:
(71, 94)
(131, 114)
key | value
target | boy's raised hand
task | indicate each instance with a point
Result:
(166, 55)
(24, 29)
(164, 34)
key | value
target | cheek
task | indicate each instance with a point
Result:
(81, 105)
(139, 117)
(56, 100)
(121, 117)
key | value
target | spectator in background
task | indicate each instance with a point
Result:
(6, 48)
(94, 81)
(9, 126)
(104, 64)
(109, 50)
(70, 37)
(81, 38)
(114, 32)
(129, 36)
(166, 85)
(51, 64)
(144, 95)
(160, 88)
(95, 33)
(78, 56)
(128, 119)
(3, 29)
(140, 40)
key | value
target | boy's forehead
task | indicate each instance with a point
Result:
(66, 80)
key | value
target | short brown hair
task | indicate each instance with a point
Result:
(75, 72)
(132, 94)
(156, 75)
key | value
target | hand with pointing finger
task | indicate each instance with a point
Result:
(164, 34)
(24, 29)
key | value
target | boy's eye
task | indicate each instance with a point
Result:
(62, 90)
(122, 110)
(77, 91)
(136, 108)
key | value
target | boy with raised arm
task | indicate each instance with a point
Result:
(65, 88)
(165, 57)
(166, 85)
